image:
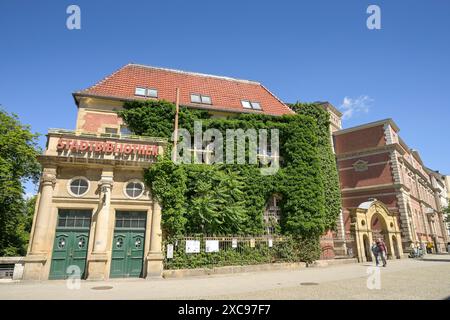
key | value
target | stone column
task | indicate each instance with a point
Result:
(155, 256)
(444, 231)
(40, 247)
(341, 233)
(99, 256)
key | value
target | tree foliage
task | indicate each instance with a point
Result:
(230, 199)
(18, 152)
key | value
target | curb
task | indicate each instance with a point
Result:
(182, 273)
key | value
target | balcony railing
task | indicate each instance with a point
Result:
(106, 135)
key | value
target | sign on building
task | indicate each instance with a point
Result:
(169, 253)
(212, 245)
(192, 246)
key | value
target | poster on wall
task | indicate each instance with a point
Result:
(270, 243)
(234, 243)
(169, 251)
(192, 246)
(212, 245)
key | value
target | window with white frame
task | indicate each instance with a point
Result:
(134, 189)
(251, 105)
(199, 98)
(146, 92)
(78, 186)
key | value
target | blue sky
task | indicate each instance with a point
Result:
(300, 50)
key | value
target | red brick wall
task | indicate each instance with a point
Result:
(374, 158)
(94, 121)
(375, 175)
(360, 139)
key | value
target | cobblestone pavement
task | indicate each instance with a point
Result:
(402, 279)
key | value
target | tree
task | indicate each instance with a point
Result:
(18, 163)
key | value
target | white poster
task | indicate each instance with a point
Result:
(270, 243)
(169, 251)
(212, 245)
(192, 246)
(234, 243)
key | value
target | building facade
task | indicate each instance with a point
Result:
(96, 219)
(94, 216)
(439, 183)
(377, 168)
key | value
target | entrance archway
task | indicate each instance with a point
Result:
(370, 221)
(379, 230)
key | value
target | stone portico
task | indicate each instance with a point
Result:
(107, 173)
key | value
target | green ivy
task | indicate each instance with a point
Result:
(230, 199)
(290, 249)
(327, 160)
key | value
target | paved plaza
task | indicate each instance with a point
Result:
(402, 279)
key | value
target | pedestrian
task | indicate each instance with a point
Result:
(429, 247)
(448, 247)
(413, 251)
(375, 252)
(423, 248)
(382, 251)
(419, 254)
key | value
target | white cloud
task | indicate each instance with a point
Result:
(350, 106)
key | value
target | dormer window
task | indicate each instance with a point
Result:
(146, 92)
(251, 105)
(198, 98)
(111, 130)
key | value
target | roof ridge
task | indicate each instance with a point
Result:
(279, 100)
(198, 74)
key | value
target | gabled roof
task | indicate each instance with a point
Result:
(226, 93)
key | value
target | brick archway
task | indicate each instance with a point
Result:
(372, 220)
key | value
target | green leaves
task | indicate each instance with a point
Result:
(18, 152)
(327, 160)
(231, 199)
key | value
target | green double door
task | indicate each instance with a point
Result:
(128, 245)
(71, 244)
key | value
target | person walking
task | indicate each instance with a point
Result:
(375, 252)
(418, 252)
(382, 251)
(412, 249)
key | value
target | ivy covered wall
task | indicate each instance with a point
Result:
(230, 198)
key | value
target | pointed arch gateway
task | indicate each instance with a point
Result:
(370, 221)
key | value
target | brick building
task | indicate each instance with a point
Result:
(377, 167)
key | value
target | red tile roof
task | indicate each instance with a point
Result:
(226, 93)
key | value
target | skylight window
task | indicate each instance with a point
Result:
(256, 105)
(140, 92)
(146, 92)
(206, 99)
(152, 93)
(246, 104)
(251, 105)
(198, 98)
